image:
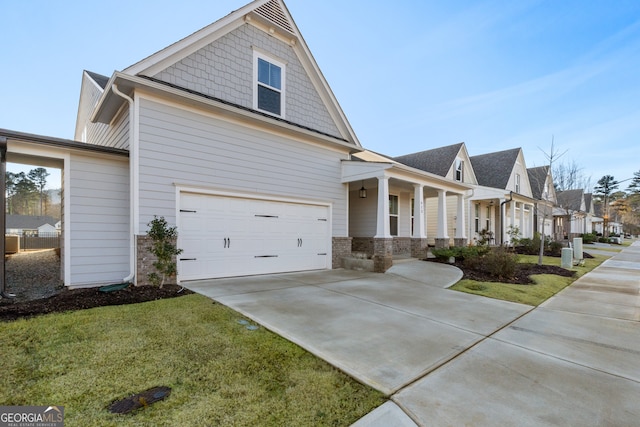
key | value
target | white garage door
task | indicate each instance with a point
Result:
(226, 236)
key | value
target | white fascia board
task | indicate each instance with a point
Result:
(185, 47)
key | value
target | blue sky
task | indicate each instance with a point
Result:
(410, 75)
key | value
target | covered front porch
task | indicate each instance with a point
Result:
(398, 211)
(500, 215)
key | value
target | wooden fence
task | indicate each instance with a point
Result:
(39, 242)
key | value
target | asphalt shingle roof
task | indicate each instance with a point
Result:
(98, 78)
(494, 169)
(537, 178)
(437, 161)
(27, 222)
(570, 199)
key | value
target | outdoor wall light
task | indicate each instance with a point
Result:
(363, 191)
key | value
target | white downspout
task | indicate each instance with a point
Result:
(132, 241)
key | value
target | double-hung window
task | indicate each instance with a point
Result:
(269, 85)
(518, 183)
(459, 170)
(393, 215)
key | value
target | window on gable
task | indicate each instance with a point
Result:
(269, 89)
(517, 183)
(459, 170)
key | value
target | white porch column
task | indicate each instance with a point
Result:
(419, 223)
(442, 215)
(523, 231)
(460, 219)
(503, 221)
(383, 228)
(512, 207)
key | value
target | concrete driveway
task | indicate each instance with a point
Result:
(386, 330)
(449, 358)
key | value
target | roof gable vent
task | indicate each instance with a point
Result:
(274, 13)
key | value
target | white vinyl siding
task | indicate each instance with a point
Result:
(99, 223)
(179, 146)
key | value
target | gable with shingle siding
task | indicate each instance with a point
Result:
(224, 70)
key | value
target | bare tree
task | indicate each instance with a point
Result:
(569, 176)
(551, 157)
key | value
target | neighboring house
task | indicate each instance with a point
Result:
(544, 194)
(32, 225)
(590, 216)
(614, 224)
(450, 162)
(570, 215)
(504, 193)
(392, 218)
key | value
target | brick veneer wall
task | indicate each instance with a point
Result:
(363, 244)
(145, 260)
(341, 247)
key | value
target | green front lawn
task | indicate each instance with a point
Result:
(546, 285)
(220, 372)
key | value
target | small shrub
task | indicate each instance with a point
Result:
(163, 247)
(555, 249)
(460, 253)
(589, 238)
(500, 263)
(603, 240)
(513, 231)
(486, 237)
(443, 254)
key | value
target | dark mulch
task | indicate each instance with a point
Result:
(521, 276)
(79, 299)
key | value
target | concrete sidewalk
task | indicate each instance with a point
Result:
(573, 361)
(449, 358)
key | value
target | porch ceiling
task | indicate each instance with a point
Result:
(354, 172)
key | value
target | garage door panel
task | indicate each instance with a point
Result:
(225, 236)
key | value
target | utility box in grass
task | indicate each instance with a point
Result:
(11, 244)
(567, 258)
(578, 253)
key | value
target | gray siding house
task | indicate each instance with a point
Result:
(233, 135)
(236, 138)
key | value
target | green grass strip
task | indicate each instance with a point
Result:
(220, 372)
(545, 286)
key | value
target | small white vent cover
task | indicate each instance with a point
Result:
(274, 13)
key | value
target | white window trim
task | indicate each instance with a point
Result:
(458, 166)
(396, 215)
(259, 55)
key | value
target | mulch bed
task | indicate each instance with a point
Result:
(79, 299)
(521, 277)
